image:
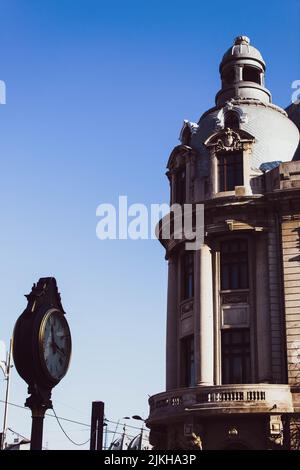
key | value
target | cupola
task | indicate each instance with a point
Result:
(242, 72)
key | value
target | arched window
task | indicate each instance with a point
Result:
(251, 74)
(232, 120)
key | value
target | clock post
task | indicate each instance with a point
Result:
(39, 403)
(41, 350)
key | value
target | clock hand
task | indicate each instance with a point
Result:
(53, 344)
(59, 349)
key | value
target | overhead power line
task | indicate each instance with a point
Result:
(127, 425)
(47, 414)
(68, 437)
(23, 437)
(72, 420)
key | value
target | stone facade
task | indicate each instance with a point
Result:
(233, 316)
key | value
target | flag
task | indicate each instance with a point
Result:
(117, 444)
(136, 443)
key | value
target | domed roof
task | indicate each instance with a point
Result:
(241, 49)
(293, 112)
(276, 136)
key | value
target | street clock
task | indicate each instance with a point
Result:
(42, 338)
(42, 347)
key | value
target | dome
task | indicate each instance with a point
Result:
(276, 136)
(240, 50)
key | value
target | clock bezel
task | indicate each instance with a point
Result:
(41, 334)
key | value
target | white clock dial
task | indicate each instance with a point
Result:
(55, 344)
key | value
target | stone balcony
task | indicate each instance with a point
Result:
(219, 399)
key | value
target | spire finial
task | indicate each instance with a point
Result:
(241, 40)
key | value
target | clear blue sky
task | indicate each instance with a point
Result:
(96, 95)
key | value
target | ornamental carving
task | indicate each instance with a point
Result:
(229, 141)
(177, 440)
(234, 298)
(187, 307)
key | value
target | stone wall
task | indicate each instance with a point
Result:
(290, 232)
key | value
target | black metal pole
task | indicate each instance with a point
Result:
(97, 422)
(36, 442)
(39, 402)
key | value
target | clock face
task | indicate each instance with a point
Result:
(55, 344)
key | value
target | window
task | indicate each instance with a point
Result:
(187, 275)
(230, 170)
(234, 264)
(229, 76)
(188, 361)
(232, 120)
(251, 74)
(180, 189)
(236, 356)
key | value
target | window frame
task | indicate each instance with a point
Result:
(187, 275)
(229, 76)
(232, 120)
(232, 350)
(237, 270)
(252, 70)
(230, 169)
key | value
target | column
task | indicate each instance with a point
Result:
(239, 74)
(172, 322)
(204, 331)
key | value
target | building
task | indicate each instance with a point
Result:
(23, 444)
(233, 314)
